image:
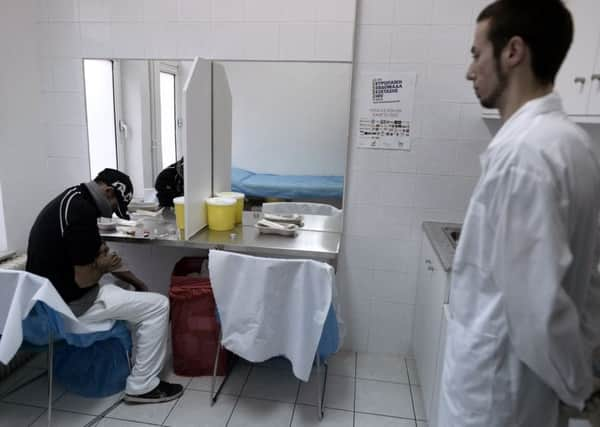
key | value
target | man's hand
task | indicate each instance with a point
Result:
(132, 279)
(107, 261)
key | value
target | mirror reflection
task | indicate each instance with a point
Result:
(289, 124)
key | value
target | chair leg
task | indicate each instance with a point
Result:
(50, 374)
(213, 395)
(320, 392)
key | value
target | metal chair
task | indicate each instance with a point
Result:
(19, 292)
(324, 272)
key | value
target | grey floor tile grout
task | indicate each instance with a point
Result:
(239, 396)
(354, 405)
(384, 381)
(386, 415)
(129, 421)
(172, 408)
(412, 398)
(296, 402)
(326, 407)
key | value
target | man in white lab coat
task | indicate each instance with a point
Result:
(525, 293)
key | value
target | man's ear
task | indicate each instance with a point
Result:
(109, 192)
(515, 51)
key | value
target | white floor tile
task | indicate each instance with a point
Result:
(36, 393)
(339, 392)
(383, 398)
(193, 409)
(18, 377)
(382, 367)
(413, 376)
(424, 424)
(417, 394)
(17, 415)
(155, 413)
(263, 413)
(367, 420)
(280, 363)
(342, 363)
(39, 361)
(85, 405)
(306, 416)
(111, 422)
(63, 419)
(272, 384)
(234, 383)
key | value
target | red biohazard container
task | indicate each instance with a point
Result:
(194, 327)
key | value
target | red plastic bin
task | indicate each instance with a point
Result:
(194, 328)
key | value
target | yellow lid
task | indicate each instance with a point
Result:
(231, 194)
(221, 201)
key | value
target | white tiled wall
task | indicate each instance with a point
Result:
(389, 193)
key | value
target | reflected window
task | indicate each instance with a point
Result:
(167, 119)
(100, 113)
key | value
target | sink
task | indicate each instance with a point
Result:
(453, 234)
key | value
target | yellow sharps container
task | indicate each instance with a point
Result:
(221, 213)
(239, 206)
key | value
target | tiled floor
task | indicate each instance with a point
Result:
(363, 390)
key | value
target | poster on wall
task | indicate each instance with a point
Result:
(386, 112)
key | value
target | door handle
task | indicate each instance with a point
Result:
(580, 80)
(595, 77)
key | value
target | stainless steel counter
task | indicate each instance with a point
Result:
(320, 245)
(441, 243)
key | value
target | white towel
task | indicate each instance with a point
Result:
(19, 292)
(270, 307)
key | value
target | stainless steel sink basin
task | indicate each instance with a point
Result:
(453, 234)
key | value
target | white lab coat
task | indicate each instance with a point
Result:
(525, 293)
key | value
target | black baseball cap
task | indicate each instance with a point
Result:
(121, 183)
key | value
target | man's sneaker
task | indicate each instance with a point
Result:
(163, 392)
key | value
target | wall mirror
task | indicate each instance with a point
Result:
(288, 123)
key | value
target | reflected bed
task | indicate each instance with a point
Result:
(293, 187)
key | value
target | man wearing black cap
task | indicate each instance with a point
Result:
(65, 247)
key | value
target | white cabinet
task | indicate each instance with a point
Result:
(432, 294)
(577, 81)
(594, 102)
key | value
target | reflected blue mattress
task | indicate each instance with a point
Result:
(286, 186)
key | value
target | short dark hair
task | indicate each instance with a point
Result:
(546, 27)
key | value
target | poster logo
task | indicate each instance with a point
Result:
(386, 90)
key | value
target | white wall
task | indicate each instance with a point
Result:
(24, 150)
(389, 193)
(290, 117)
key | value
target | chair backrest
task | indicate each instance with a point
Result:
(300, 208)
(271, 306)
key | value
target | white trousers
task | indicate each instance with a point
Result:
(147, 315)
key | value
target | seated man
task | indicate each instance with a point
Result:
(169, 183)
(65, 247)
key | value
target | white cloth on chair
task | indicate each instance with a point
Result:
(19, 292)
(270, 307)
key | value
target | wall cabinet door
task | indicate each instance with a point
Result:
(594, 102)
(573, 82)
